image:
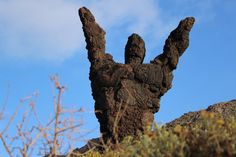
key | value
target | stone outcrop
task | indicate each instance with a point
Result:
(127, 95)
(225, 110)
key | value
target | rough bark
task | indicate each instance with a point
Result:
(127, 95)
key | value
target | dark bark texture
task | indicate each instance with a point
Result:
(127, 95)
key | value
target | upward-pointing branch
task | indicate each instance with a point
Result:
(176, 44)
(94, 34)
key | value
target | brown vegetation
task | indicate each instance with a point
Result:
(34, 137)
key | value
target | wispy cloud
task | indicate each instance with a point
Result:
(51, 30)
(39, 29)
(139, 14)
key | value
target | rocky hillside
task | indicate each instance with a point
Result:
(205, 133)
(225, 110)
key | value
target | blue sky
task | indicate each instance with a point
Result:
(42, 38)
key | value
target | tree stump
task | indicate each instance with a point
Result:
(127, 95)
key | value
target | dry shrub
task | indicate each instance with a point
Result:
(23, 133)
(211, 136)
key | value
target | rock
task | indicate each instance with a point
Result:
(225, 110)
(127, 95)
(95, 144)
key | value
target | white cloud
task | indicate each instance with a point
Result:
(51, 30)
(39, 29)
(141, 13)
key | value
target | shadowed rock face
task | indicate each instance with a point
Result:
(127, 95)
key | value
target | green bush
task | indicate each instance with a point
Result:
(210, 136)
